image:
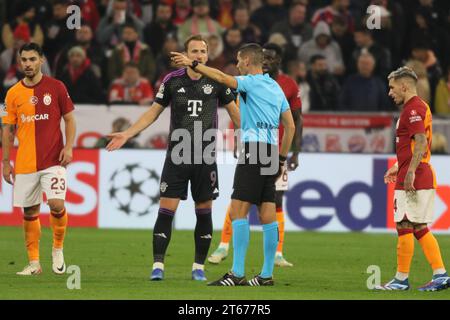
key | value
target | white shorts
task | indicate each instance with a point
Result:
(282, 182)
(29, 188)
(416, 206)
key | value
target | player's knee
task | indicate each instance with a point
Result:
(56, 205)
(31, 211)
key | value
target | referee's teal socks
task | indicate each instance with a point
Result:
(241, 236)
(270, 235)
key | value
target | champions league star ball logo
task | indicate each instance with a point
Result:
(135, 190)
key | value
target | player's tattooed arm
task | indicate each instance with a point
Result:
(420, 148)
(182, 61)
(8, 172)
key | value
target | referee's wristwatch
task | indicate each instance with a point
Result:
(194, 64)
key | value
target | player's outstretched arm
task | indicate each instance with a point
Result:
(182, 61)
(118, 139)
(8, 172)
(66, 154)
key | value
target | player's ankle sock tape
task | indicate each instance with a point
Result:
(162, 233)
(270, 239)
(202, 234)
(241, 237)
(405, 249)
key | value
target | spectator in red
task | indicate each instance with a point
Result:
(338, 8)
(131, 88)
(24, 23)
(224, 14)
(84, 38)
(10, 68)
(80, 80)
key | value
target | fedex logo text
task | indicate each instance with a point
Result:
(356, 205)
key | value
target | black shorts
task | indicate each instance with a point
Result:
(203, 177)
(250, 184)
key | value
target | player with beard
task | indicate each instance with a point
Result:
(35, 106)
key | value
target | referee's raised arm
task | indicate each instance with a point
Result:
(181, 60)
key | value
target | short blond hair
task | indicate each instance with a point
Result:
(403, 72)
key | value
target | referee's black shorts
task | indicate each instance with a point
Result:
(251, 181)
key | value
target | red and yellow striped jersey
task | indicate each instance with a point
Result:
(37, 112)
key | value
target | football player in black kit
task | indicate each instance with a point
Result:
(194, 100)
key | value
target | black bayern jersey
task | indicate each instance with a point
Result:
(193, 104)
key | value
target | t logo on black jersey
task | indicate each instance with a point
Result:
(194, 106)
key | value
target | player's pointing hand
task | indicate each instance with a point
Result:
(118, 139)
(180, 60)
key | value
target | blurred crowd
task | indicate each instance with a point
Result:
(120, 54)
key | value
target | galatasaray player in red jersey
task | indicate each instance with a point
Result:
(272, 63)
(415, 184)
(35, 107)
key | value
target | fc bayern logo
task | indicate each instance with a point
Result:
(207, 89)
(47, 99)
(163, 187)
(34, 100)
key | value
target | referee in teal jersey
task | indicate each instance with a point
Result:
(262, 104)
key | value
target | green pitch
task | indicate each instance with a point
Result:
(115, 264)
